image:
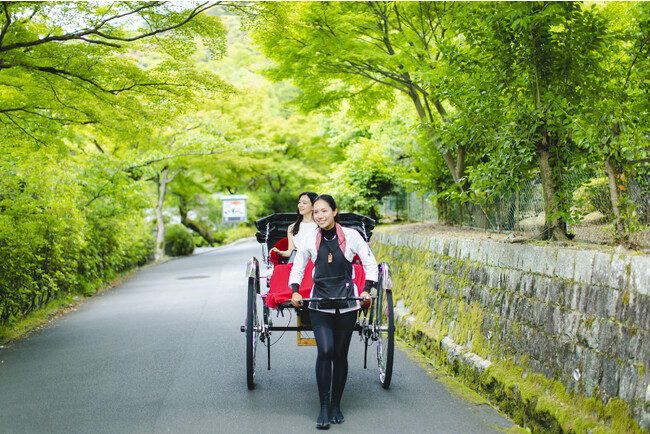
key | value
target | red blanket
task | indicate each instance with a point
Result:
(279, 290)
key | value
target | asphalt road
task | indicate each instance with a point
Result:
(163, 352)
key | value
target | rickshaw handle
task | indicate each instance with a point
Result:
(289, 304)
(335, 298)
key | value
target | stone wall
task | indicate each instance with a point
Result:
(577, 317)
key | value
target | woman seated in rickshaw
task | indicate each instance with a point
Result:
(332, 251)
(303, 228)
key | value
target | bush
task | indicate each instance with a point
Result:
(41, 238)
(199, 241)
(54, 242)
(242, 231)
(178, 241)
(219, 237)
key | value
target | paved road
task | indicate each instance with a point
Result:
(162, 352)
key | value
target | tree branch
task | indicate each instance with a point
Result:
(63, 73)
(642, 160)
(98, 146)
(23, 130)
(79, 35)
(197, 11)
(57, 119)
(170, 157)
(371, 77)
(67, 75)
(5, 26)
(17, 109)
(629, 71)
(95, 41)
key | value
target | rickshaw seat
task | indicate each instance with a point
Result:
(279, 290)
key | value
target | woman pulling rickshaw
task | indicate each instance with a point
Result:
(332, 251)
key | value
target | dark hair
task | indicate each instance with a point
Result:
(296, 226)
(331, 202)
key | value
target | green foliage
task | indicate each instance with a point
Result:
(178, 241)
(362, 58)
(65, 68)
(271, 203)
(593, 195)
(220, 236)
(97, 99)
(535, 83)
(364, 178)
(50, 244)
(85, 86)
(41, 236)
(241, 231)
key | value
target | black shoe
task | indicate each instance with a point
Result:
(323, 421)
(335, 414)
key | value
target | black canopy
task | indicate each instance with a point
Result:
(273, 228)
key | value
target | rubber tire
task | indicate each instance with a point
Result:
(385, 329)
(252, 333)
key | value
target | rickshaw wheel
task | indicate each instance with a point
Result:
(252, 331)
(384, 322)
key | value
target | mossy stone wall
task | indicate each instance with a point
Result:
(579, 319)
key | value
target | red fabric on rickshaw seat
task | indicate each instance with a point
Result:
(279, 290)
(283, 245)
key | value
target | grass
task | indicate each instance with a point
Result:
(36, 320)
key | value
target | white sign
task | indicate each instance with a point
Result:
(234, 208)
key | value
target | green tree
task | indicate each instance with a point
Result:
(529, 62)
(364, 53)
(613, 127)
(364, 178)
(84, 86)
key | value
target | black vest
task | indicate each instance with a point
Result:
(332, 277)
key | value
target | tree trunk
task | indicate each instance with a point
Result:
(612, 176)
(553, 228)
(161, 184)
(443, 211)
(195, 225)
(456, 165)
(373, 214)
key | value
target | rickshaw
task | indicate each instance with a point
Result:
(375, 323)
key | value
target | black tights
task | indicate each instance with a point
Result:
(333, 333)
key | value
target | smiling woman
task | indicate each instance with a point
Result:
(326, 213)
(303, 228)
(333, 320)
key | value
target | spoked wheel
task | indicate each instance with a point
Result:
(384, 326)
(252, 322)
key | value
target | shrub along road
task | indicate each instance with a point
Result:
(163, 352)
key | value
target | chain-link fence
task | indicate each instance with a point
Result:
(523, 211)
(412, 207)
